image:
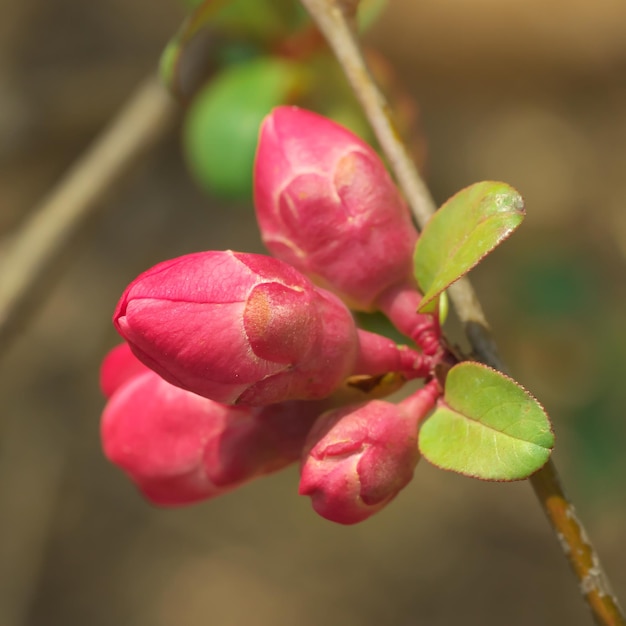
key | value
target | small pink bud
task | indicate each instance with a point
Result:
(326, 204)
(357, 459)
(248, 329)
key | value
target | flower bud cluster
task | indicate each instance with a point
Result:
(234, 363)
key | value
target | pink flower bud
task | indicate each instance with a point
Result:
(237, 328)
(157, 434)
(248, 329)
(326, 204)
(357, 459)
(264, 440)
(180, 448)
(119, 367)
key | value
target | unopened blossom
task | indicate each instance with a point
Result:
(357, 459)
(179, 448)
(248, 329)
(326, 204)
(157, 434)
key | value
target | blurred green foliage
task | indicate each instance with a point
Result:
(222, 124)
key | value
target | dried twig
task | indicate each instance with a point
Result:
(34, 251)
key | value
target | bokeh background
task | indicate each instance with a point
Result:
(529, 92)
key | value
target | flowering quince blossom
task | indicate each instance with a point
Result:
(357, 459)
(181, 448)
(326, 204)
(249, 329)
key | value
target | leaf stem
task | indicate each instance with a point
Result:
(335, 19)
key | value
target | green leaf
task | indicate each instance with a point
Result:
(264, 22)
(463, 231)
(368, 13)
(222, 125)
(486, 426)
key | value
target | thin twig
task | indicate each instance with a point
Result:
(335, 18)
(34, 251)
(340, 34)
(593, 582)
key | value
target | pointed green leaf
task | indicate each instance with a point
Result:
(465, 229)
(487, 426)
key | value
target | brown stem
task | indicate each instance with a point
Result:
(34, 251)
(577, 547)
(335, 18)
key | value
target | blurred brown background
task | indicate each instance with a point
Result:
(531, 93)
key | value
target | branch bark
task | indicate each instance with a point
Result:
(33, 253)
(335, 18)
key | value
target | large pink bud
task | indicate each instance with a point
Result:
(179, 448)
(262, 441)
(357, 459)
(237, 328)
(157, 433)
(326, 204)
(247, 329)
